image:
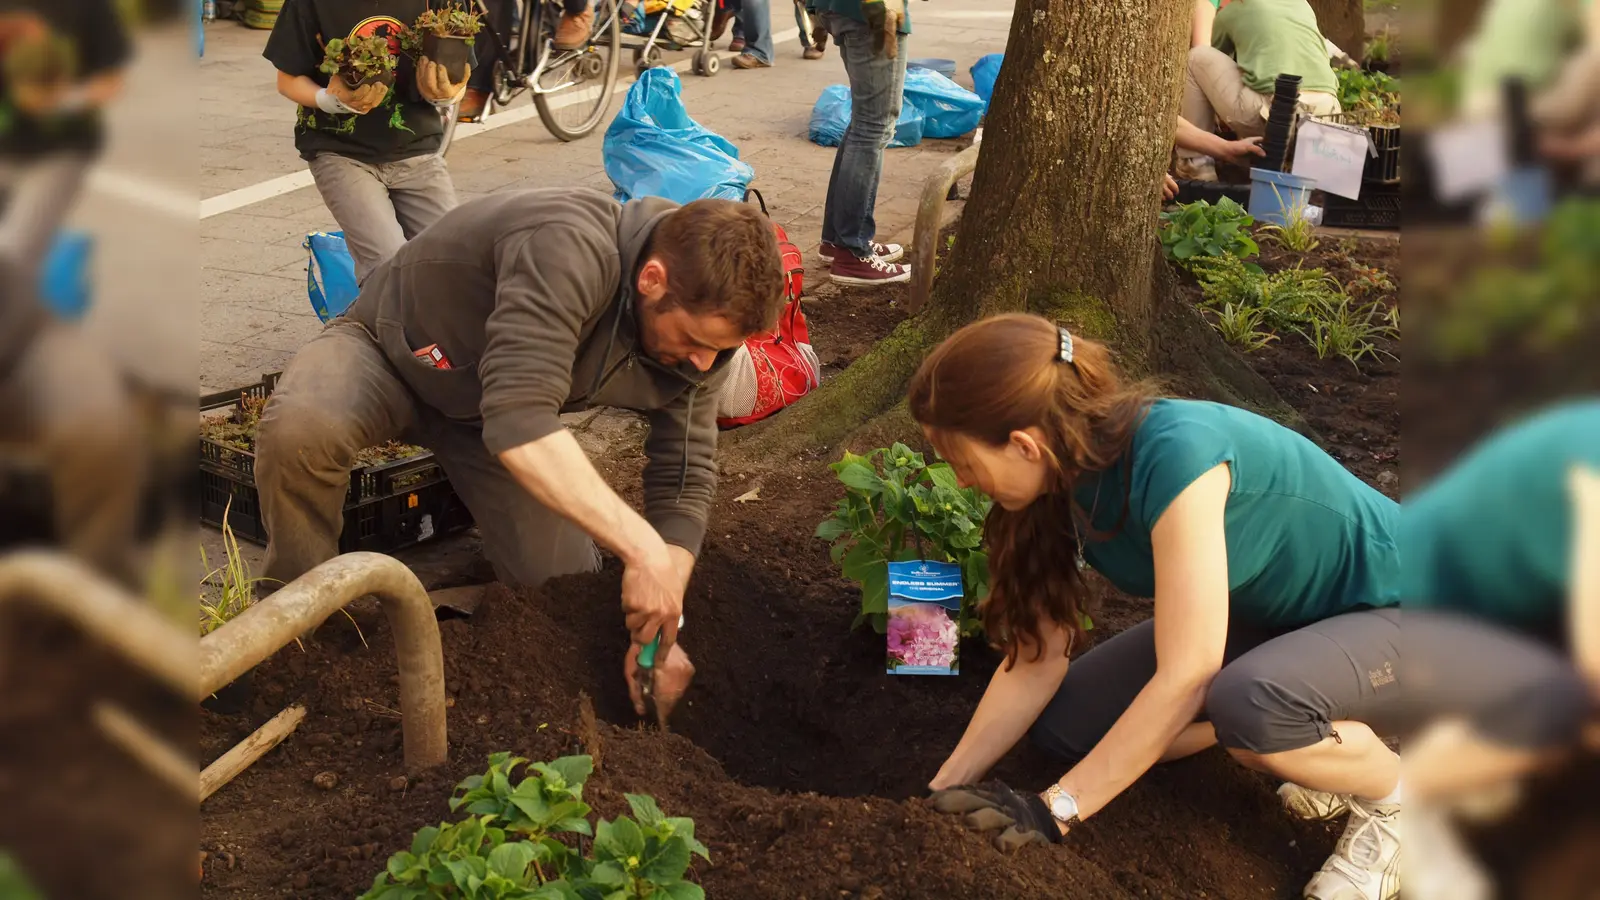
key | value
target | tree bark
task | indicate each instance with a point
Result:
(1062, 224)
(1345, 23)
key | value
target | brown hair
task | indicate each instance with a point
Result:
(722, 259)
(1005, 374)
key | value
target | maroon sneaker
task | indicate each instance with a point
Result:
(886, 252)
(848, 270)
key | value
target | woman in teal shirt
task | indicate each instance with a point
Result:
(1502, 593)
(1274, 573)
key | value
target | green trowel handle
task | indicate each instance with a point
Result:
(647, 656)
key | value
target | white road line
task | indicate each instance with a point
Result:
(144, 192)
(294, 181)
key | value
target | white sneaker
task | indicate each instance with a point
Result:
(1366, 863)
(1316, 806)
(1439, 866)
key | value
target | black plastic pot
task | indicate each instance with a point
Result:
(355, 81)
(454, 53)
(233, 698)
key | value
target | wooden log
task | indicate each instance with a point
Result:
(151, 750)
(246, 752)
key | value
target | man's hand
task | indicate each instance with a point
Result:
(361, 100)
(1239, 152)
(652, 594)
(1021, 819)
(434, 84)
(674, 672)
(1169, 187)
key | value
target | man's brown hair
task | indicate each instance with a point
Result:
(722, 259)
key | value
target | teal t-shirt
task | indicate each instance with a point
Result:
(1306, 539)
(1492, 536)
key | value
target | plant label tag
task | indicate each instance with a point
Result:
(924, 612)
(1335, 157)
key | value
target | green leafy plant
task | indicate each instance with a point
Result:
(1200, 230)
(1368, 283)
(1242, 326)
(358, 59)
(647, 858)
(1286, 296)
(1348, 329)
(507, 850)
(896, 507)
(1371, 98)
(450, 20)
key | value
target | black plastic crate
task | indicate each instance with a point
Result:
(1377, 209)
(1385, 167)
(389, 506)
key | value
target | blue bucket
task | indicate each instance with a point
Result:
(1272, 193)
(945, 67)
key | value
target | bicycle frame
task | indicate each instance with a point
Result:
(519, 77)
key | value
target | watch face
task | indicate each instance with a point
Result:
(1063, 807)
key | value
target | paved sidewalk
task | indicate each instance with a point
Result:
(253, 309)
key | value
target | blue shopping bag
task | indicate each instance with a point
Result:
(64, 276)
(831, 116)
(948, 109)
(654, 149)
(330, 274)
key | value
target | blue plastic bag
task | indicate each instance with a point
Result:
(984, 73)
(948, 109)
(653, 148)
(831, 116)
(64, 277)
(330, 274)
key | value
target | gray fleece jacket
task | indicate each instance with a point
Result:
(530, 296)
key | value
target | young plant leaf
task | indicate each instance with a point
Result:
(645, 810)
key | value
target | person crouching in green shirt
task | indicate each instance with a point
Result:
(1274, 572)
(1252, 43)
(1501, 588)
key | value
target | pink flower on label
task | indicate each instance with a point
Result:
(922, 635)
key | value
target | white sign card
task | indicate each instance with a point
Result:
(1334, 156)
(1469, 158)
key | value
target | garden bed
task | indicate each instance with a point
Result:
(787, 701)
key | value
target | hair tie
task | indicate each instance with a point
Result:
(1065, 352)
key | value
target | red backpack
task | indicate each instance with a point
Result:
(774, 369)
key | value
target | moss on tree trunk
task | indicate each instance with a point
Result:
(1063, 221)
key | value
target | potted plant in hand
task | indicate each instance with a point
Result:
(446, 35)
(38, 65)
(359, 61)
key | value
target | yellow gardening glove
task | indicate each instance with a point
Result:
(433, 81)
(361, 100)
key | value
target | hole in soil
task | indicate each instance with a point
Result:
(785, 696)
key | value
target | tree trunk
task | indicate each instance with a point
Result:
(1345, 23)
(1062, 223)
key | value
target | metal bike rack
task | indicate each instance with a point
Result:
(930, 216)
(65, 587)
(275, 621)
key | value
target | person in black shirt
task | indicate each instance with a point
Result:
(372, 150)
(60, 63)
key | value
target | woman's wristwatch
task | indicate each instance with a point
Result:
(1063, 806)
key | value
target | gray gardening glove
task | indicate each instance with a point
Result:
(1020, 818)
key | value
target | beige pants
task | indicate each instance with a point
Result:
(1215, 89)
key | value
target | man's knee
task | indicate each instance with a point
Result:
(301, 436)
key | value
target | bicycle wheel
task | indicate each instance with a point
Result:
(574, 89)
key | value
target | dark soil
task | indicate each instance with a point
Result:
(80, 817)
(787, 700)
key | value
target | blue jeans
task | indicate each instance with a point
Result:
(876, 86)
(754, 24)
